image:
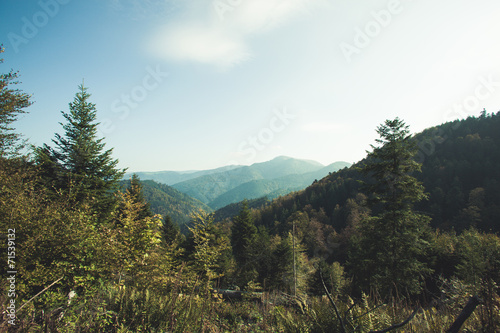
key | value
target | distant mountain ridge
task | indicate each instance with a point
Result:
(174, 177)
(275, 187)
(222, 186)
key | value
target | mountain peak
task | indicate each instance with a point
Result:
(283, 158)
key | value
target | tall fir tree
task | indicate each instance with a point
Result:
(79, 164)
(243, 237)
(171, 231)
(137, 194)
(387, 255)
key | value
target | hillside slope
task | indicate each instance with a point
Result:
(166, 200)
(272, 188)
(460, 171)
(209, 188)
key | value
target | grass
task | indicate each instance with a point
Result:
(128, 309)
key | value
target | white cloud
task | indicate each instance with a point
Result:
(220, 38)
(193, 42)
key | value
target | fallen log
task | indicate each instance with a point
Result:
(469, 308)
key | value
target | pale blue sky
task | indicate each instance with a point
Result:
(192, 84)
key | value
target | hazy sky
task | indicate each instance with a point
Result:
(192, 84)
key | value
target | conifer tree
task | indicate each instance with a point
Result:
(281, 265)
(79, 160)
(209, 246)
(12, 103)
(243, 232)
(387, 255)
(243, 237)
(137, 234)
(170, 230)
(136, 192)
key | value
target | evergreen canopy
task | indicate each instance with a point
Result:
(79, 159)
(388, 253)
(12, 104)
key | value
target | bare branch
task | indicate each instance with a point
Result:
(333, 303)
(41, 292)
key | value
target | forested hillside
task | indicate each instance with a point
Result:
(460, 171)
(166, 200)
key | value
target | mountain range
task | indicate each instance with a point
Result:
(219, 187)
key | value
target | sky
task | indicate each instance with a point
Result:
(199, 84)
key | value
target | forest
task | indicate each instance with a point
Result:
(405, 240)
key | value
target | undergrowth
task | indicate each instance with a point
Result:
(130, 309)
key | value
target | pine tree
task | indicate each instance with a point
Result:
(170, 230)
(137, 194)
(280, 275)
(243, 237)
(243, 232)
(387, 255)
(12, 103)
(79, 161)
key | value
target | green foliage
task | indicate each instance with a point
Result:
(334, 277)
(55, 238)
(165, 200)
(13, 103)
(480, 257)
(209, 245)
(443, 257)
(78, 165)
(243, 233)
(137, 193)
(479, 267)
(170, 230)
(243, 242)
(137, 236)
(231, 210)
(59, 242)
(280, 272)
(388, 253)
(391, 166)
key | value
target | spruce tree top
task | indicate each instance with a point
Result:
(79, 157)
(391, 165)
